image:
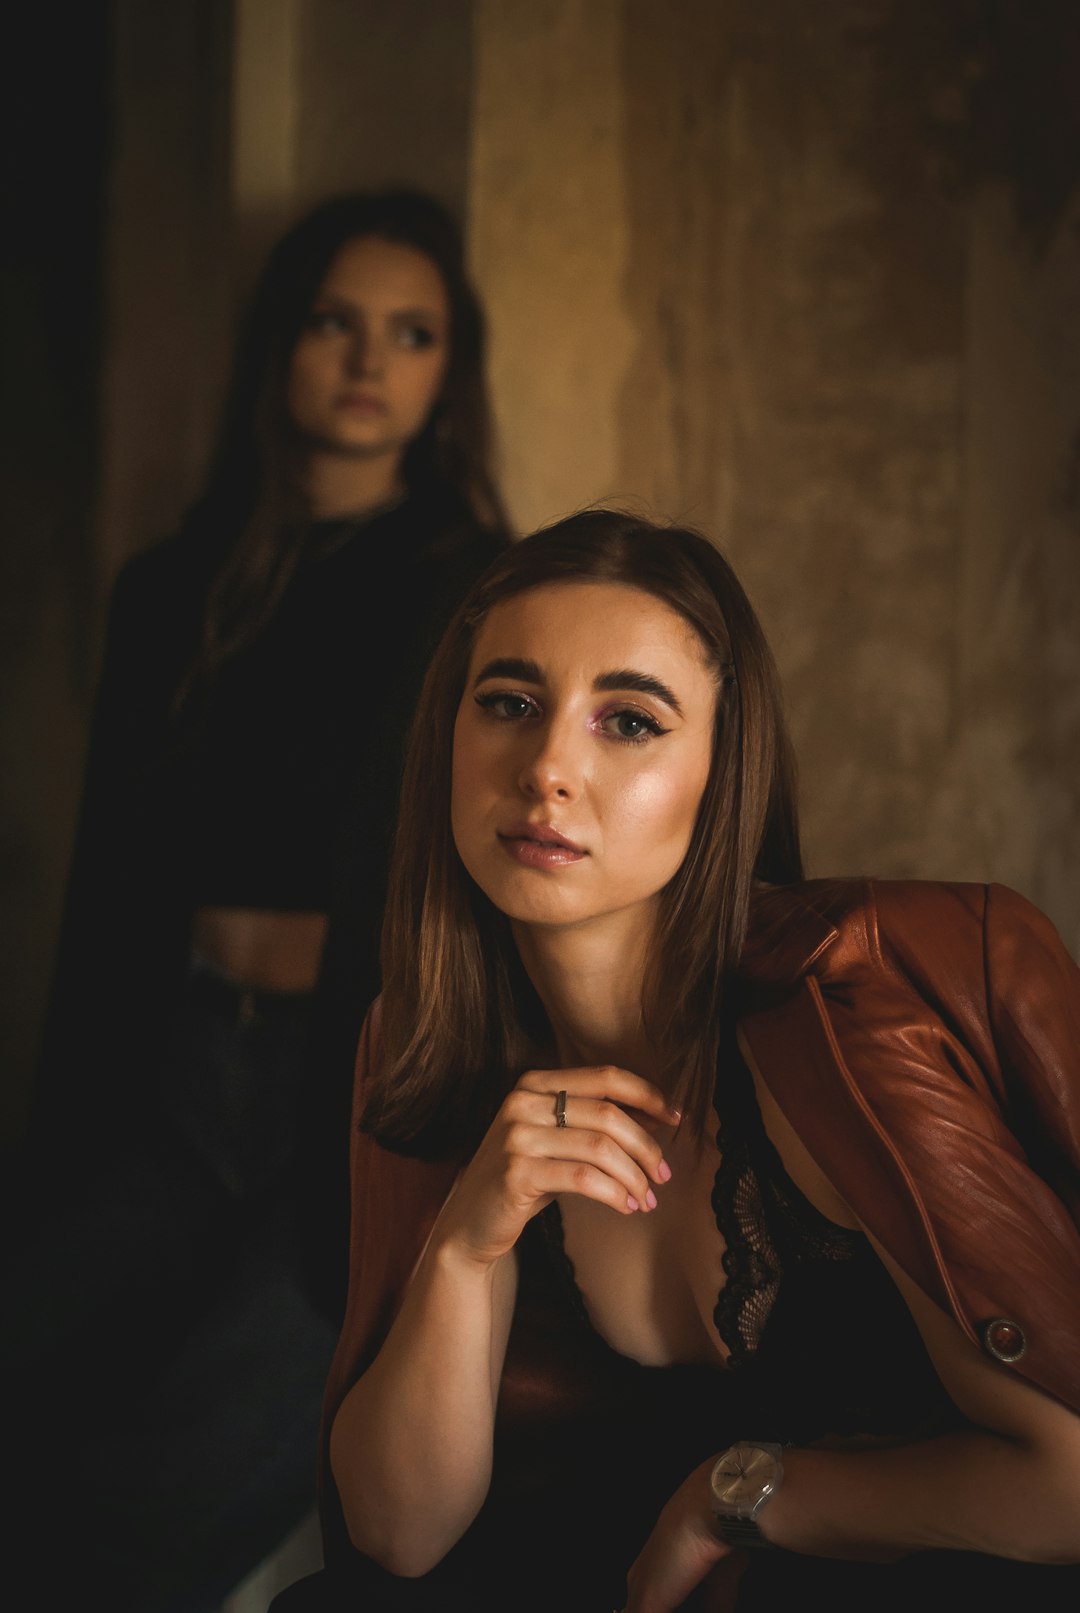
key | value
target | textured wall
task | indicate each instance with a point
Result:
(770, 270)
(549, 235)
(1007, 795)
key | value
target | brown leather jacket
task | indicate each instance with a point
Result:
(924, 1041)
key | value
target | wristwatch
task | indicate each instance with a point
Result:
(744, 1480)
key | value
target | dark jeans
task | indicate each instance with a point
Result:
(162, 1364)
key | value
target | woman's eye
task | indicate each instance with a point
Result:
(635, 727)
(506, 707)
(415, 336)
(325, 322)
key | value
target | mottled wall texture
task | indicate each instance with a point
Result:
(809, 278)
(806, 276)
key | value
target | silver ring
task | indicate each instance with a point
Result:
(560, 1108)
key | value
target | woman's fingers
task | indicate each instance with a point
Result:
(607, 1082)
(603, 1150)
(583, 1123)
(604, 1185)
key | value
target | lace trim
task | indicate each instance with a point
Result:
(751, 1260)
(766, 1221)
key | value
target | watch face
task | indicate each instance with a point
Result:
(743, 1478)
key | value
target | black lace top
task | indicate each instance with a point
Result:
(819, 1341)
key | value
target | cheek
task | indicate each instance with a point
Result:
(662, 804)
(423, 382)
(304, 377)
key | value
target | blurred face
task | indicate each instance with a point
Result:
(582, 748)
(370, 362)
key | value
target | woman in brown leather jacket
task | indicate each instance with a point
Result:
(714, 1234)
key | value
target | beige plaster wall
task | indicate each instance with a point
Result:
(549, 235)
(1008, 794)
(735, 277)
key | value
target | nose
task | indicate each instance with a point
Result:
(553, 769)
(366, 356)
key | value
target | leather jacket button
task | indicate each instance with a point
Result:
(1003, 1339)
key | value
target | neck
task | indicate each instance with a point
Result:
(351, 484)
(590, 981)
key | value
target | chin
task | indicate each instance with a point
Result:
(359, 442)
(524, 906)
(544, 916)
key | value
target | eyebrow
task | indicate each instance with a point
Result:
(625, 678)
(411, 311)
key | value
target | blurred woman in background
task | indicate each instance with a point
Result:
(259, 670)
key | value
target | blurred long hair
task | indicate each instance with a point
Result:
(253, 498)
(460, 1020)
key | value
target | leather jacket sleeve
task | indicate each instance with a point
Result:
(929, 1059)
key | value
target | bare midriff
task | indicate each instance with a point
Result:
(261, 949)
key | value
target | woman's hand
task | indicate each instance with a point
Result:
(604, 1151)
(682, 1553)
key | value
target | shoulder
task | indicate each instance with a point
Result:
(153, 623)
(450, 528)
(928, 1058)
(952, 988)
(464, 546)
(168, 573)
(834, 927)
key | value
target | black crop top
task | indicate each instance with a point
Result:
(276, 788)
(300, 741)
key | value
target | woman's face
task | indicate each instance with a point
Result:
(582, 748)
(370, 362)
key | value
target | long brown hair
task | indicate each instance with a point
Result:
(253, 502)
(460, 1021)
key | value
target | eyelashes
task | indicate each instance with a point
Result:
(511, 707)
(415, 336)
(325, 321)
(411, 335)
(499, 703)
(647, 726)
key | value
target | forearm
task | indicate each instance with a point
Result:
(411, 1445)
(972, 1491)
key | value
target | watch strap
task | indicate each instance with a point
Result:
(738, 1531)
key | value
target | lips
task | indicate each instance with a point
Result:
(541, 834)
(538, 845)
(361, 403)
